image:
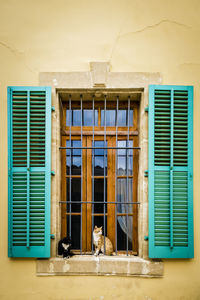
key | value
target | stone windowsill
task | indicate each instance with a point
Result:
(101, 265)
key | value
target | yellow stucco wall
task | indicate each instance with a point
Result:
(65, 35)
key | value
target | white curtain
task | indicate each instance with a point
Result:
(124, 208)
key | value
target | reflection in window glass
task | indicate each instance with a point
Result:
(124, 158)
(75, 119)
(75, 160)
(99, 158)
(87, 117)
(122, 117)
(122, 194)
(110, 117)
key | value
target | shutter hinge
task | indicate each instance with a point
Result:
(146, 238)
(52, 236)
(53, 108)
(146, 173)
(190, 175)
(146, 109)
(53, 173)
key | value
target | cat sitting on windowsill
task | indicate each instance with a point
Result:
(64, 248)
(98, 240)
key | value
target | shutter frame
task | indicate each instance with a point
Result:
(41, 250)
(165, 251)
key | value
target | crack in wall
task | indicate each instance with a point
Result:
(190, 64)
(16, 53)
(149, 27)
(12, 50)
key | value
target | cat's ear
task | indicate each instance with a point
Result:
(95, 226)
(101, 227)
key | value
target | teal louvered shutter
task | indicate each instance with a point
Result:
(170, 171)
(29, 171)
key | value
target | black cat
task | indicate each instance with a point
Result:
(64, 247)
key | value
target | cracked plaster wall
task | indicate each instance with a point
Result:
(135, 36)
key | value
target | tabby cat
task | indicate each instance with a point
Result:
(98, 240)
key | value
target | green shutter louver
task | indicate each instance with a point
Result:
(29, 167)
(170, 172)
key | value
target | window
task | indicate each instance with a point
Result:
(99, 171)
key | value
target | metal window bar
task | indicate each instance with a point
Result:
(70, 168)
(81, 99)
(104, 178)
(123, 148)
(127, 179)
(93, 117)
(99, 202)
(116, 183)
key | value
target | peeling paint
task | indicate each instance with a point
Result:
(66, 267)
(51, 267)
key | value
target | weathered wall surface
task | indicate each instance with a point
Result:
(64, 35)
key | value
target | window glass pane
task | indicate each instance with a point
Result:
(75, 194)
(75, 160)
(123, 208)
(99, 195)
(121, 166)
(88, 117)
(76, 144)
(76, 117)
(130, 118)
(68, 118)
(100, 159)
(122, 117)
(123, 156)
(110, 117)
(99, 150)
(122, 195)
(75, 231)
(122, 231)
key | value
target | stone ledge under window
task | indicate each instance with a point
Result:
(101, 265)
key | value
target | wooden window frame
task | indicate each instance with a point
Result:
(87, 136)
